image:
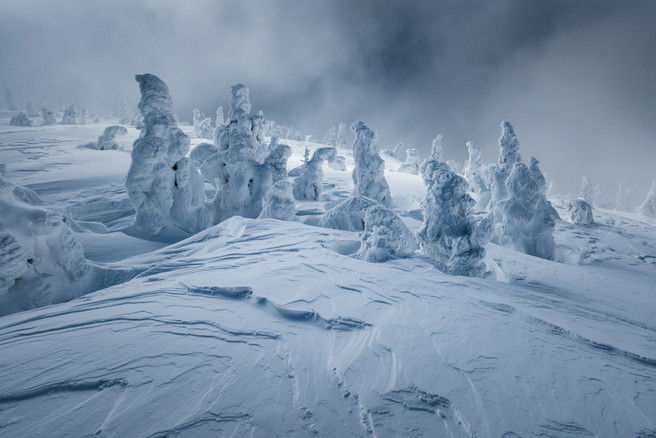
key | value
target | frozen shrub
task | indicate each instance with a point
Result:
(48, 117)
(11, 102)
(42, 262)
(165, 189)
(525, 221)
(474, 176)
(369, 171)
(580, 212)
(330, 139)
(348, 215)
(449, 234)
(308, 184)
(648, 206)
(278, 203)
(623, 199)
(107, 140)
(73, 116)
(202, 125)
(20, 119)
(411, 164)
(386, 237)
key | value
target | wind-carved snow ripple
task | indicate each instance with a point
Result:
(245, 293)
(93, 385)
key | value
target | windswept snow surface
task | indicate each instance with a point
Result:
(262, 327)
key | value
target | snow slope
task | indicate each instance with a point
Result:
(269, 328)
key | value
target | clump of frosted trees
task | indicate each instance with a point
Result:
(336, 136)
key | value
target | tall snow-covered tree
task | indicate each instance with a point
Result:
(307, 186)
(508, 156)
(648, 206)
(164, 187)
(369, 172)
(450, 234)
(474, 176)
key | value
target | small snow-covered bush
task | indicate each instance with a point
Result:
(73, 116)
(48, 117)
(21, 119)
(107, 140)
(278, 203)
(411, 164)
(386, 237)
(165, 189)
(308, 184)
(450, 234)
(648, 206)
(369, 172)
(525, 221)
(348, 215)
(580, 212)
(41, 261)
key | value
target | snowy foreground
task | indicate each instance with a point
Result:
(269, 328)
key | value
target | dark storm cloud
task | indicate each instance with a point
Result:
(575, 77)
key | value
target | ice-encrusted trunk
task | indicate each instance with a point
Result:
(450, 235)
(165, 189)
(369, 172)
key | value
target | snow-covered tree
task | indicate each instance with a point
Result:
(244, 167)
(385, 236)
(508, 156)
(648, 206)
(398, 152)
(369, 172)
(124, 114)
(278, 203)
(21, 119)
(474, 176)
(580, 212)
(450, 234)
(163, 185)
(525, 221)
(412, 163)
(202, 125)
(587, 190)
(623, 199)
(536, 174)
(48, 117)
(330, 139)
(74, 116)
(219, 117)
(341, 136)
(307, 186)
(9, 99)
(348, 215)
(107, 140)
(436, 148)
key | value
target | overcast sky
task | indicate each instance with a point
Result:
(576, 78)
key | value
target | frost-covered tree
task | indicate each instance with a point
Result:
(307, 186)
(21, 119)
(474, 176)
(163, 185)
(536, 174)
(369, 172)
(42, 262)
(587, 189)
(648, 206)
(341, 136)
(219, 117)
(9, 99)
(202, 125)
(278, 203)
(398, 151)
(623, 199)
(107, 140)
(330, 138)
(450, 234)
(508, 156)
(74, 116)
(348, 215)
(412, 163)
(525, 221)
(436, 148)
(124, 114)
(244, 168)
(580, 212)
(385, 236)
(48, 117)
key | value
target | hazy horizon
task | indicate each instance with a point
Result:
(576, 79)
